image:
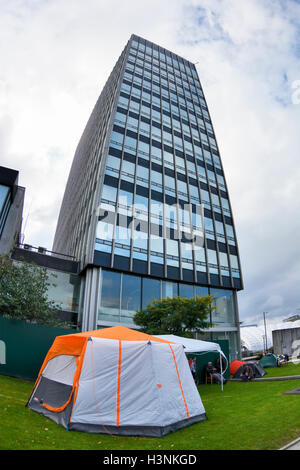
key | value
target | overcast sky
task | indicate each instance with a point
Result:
(55, 57)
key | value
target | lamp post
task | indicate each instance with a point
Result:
(264, 314)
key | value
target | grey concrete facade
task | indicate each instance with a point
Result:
(287, 341)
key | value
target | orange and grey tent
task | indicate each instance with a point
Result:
(117, 381)
(234, 366)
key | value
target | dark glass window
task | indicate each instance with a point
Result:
(151, 290)
(186, 290)
(224, 301)
(201, 291)
(131, 297)
(169, 289)
(109, 308)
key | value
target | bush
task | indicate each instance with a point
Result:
(177, 316)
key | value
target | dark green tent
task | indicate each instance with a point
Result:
(268, 360)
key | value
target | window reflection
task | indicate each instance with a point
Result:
(64, 289)
(151, 290)
(186, 290)
(169, 289)
(109, 308)
(121, 295)
(131, 297)
(225, 312)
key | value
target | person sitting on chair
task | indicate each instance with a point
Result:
(217, 377)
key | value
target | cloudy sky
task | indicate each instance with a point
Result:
(55, 56)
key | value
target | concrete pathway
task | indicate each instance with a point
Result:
(294, 445)
(269, 379)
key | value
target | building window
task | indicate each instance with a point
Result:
(169, 289)
(64, 290)
(186, 290)
(122, 241)
(157, 249)
(201, 291)
(109, 302)
(131, 297)
(151, 290)
(224, 301)
(140, 245)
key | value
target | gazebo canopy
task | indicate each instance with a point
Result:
(193, 345)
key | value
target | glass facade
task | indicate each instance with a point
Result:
(164, 207)
(64, 289)
(225, 313)
(148, 165)
(165, 223)
(121, 295)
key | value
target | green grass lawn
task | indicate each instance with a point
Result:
(245, 416)
(285, 370)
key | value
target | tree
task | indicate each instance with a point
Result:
(177, 316)
(23, 293)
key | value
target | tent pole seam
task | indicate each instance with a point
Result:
(119, 383)
(186, 407)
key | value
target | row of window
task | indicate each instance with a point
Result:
(163, 170)
(155, 115)
(121, 295)
(175, 143)
(167, 87)
(145, 95)
(165, 214)
(156, 125)
(165, 59)
(158, 148)
(162, 61)
(185, 188)
(189, 89)
(151, 130)
(193, 108)
(162, 86)
(160, 248)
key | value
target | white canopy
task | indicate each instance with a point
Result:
(193, 345)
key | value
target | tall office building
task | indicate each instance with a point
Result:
(146, 206)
